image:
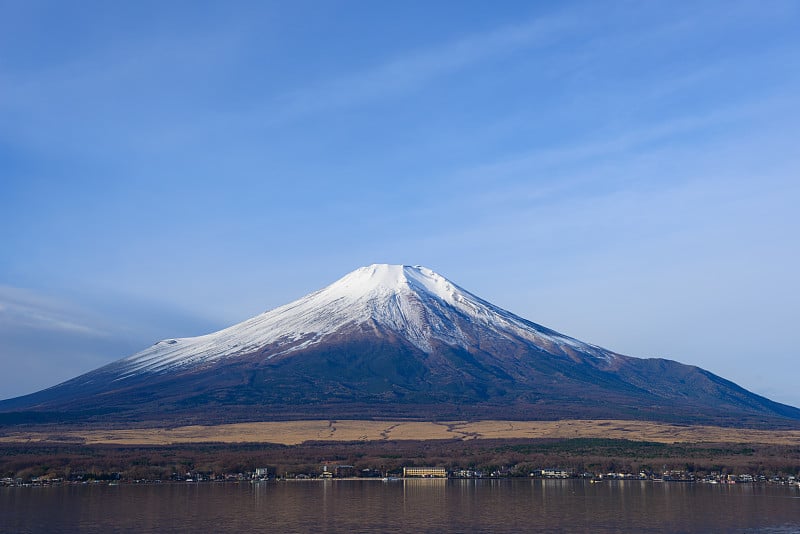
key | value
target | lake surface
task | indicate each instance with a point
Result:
(505, 505)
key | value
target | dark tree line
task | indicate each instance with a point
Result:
(512, 457)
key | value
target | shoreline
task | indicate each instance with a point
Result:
(437, 480)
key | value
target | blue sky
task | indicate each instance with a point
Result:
(624, 172)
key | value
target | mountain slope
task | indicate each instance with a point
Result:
(392, 341)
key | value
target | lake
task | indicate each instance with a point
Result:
(503, 505)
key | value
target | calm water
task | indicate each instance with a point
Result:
(509, 505)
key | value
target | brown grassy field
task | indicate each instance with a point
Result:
(297, 432)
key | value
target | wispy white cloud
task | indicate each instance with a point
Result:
(20, 308)
(413, 71)
(546, 172)
(46, 339)
(575, 25)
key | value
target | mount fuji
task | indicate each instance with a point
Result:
(392, 341)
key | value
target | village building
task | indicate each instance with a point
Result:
(424, 472)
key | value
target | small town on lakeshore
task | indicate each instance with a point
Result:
(329, 471)
(593, 460)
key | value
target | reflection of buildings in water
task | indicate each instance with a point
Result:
(467, 490)
(261, 490)
(464, 486)
(326, 486)
(547, 493)
(420, 493)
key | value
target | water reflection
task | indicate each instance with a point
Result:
(420, 505)
(422, 494)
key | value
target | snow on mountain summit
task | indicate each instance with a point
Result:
(414, 302)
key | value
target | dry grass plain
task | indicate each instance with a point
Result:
(297, 432)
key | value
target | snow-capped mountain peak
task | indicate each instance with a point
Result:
(413, 302)
(382, 278)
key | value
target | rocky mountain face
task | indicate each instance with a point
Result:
(392, 341)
